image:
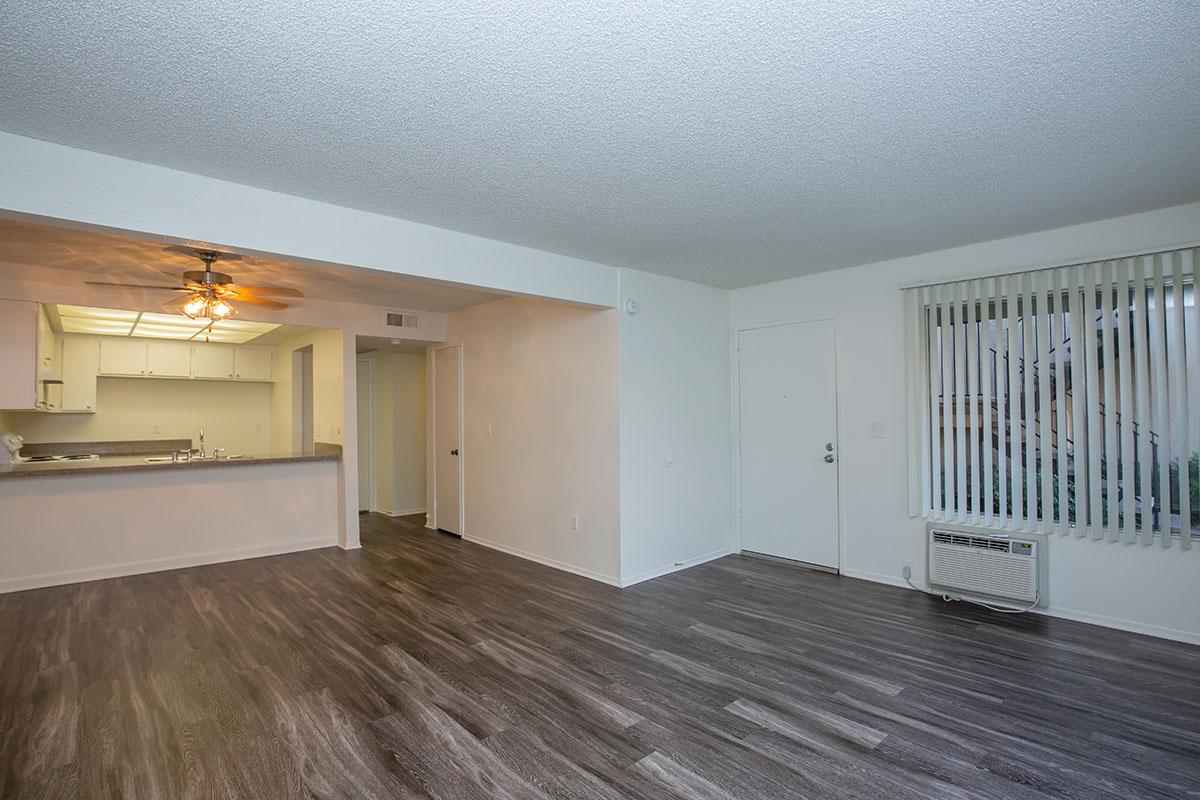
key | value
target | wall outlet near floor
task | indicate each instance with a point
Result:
(258, 427)
(575, 523)
(906, 570)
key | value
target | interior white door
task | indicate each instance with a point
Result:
(787, 397)
(366, 436)
(447, 435)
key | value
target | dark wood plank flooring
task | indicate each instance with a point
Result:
(423, 666)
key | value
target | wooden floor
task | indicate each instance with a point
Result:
(423, 666)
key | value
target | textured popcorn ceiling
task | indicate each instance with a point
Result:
(730, 143)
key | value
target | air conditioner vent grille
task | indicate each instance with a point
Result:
(395, 319)
(966, 540)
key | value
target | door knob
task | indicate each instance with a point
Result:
(454, 452)
(829, 458)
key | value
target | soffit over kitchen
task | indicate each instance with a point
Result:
(130, 259)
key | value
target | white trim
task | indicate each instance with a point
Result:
(403, 512)
(736, 380)
(1117, 623)
(548, 562)
(676, 567)
(45, 579)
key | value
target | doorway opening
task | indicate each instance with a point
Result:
(302, 399)
(391, 412)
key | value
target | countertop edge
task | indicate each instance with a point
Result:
(60, 469)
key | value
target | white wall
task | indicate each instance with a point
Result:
(328, 375)
(675, 404)
(49, 180)
(1132, 587)
(235, 416)
(400, 398)
(84, 527)
(544, 376)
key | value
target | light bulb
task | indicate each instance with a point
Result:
(220, 309)
(195, 306)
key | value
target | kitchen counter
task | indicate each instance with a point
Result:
(138, 463)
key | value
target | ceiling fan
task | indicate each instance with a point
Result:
(209, 294)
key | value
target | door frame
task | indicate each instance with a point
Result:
(372, 484)
(433, 409)
(736, 428)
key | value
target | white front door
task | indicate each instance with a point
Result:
(787, 397)
(447, 437)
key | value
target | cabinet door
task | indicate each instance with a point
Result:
(47, 347)
(252, 364)
(168, 359)
(212, 361)
(121, 355)
(18, 356)
(80, 363)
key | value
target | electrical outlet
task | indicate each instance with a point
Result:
(907, 570)
(258, 427)
(158, 428)
(575, 523)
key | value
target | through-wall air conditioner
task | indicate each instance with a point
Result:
(1000, 565)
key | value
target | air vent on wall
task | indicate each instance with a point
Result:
(397, 320)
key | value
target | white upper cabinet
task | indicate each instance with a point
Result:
(48, 359)
(252, 364)
(120, 355)
(80, 363)
(166, 358)
(19, 390)
(212, 361)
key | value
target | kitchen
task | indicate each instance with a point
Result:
(104, 408)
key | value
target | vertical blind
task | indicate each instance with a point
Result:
(1060, 400)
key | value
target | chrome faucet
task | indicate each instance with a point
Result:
(202, 443)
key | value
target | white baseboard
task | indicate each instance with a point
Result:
(875, 577)
(404, 513)
(1189, 637)
(45, 579)
(1118, 623)
(667, 570)
(400, 513)
(549, 562)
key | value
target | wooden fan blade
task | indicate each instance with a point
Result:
(137, 286)
(278, 291)
(274, 305)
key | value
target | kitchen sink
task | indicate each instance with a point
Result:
(168, 459)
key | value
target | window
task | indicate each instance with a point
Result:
(1065, 399)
